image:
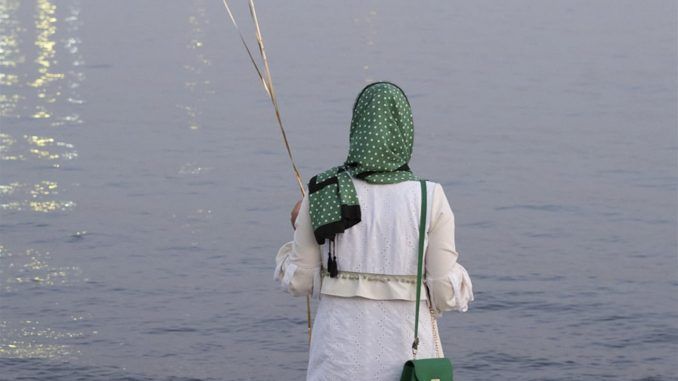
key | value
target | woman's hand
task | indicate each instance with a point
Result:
(295, 213)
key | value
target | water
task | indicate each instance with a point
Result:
(144, 189)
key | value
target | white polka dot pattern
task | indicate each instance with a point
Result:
(380, 142)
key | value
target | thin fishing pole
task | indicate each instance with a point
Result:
(272, 95)
(247, 48)
(267, 82)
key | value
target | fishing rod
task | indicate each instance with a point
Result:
(270, 90)
(266, 81)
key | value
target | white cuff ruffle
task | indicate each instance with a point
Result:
(451, 292)
(297, 280)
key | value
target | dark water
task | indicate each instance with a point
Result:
(144, 189)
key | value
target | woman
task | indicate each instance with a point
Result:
(355, 244)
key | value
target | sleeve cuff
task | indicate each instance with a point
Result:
(281, 260)
(296, 280)
(451, 292)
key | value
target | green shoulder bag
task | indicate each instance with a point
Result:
(433, 369)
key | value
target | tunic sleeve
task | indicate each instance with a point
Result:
(448, 282)
(298, 261)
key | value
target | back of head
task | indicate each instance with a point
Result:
(382, 130)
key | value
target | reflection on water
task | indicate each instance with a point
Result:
(74, 76)
(369, 38)
(37, 192)
(50, 149)
(28, 341)
(10, 57)
(31, 339)
(51, 82)
(36, 95)
(23, 273)
(6, 145)
(42, 188)
(44, 83)
(32, 268)
(197, 85)
(197, 91)
(193, 169)
(39, 206)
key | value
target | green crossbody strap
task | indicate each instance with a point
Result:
(420, 265)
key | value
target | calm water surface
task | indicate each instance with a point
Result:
(144, 190)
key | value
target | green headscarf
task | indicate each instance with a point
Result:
(380, 147)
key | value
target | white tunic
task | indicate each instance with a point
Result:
(364, 325)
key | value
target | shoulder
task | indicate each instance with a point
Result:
(434, 188)
(437, 194)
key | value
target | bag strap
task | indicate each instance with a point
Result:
(420, 265)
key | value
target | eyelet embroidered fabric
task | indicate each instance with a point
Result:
(362, 339)
(386, 240)
(373, 252)
(364, 325)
